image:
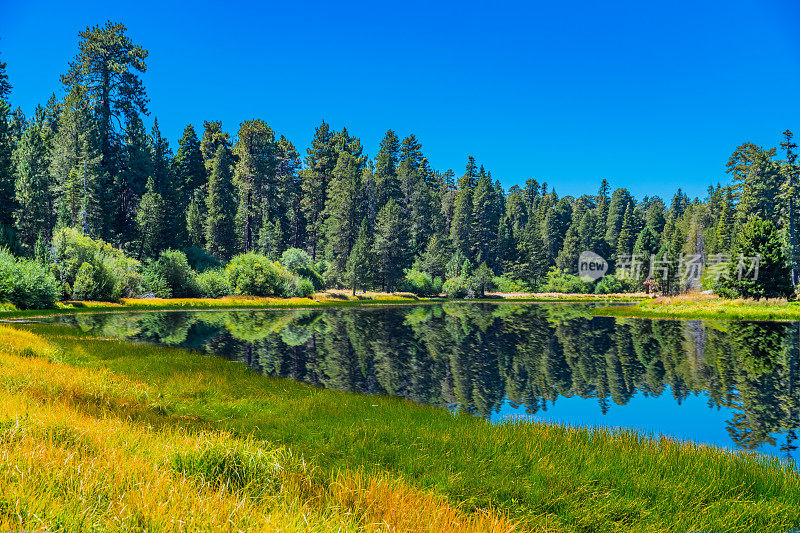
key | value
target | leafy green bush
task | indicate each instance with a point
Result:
(154, 285)
(507, 283)
(200, 260)
(27, 284)
(557, 280)
(304, 288)
(255, 275)
(214, 283)
(313, 276)
(115, 275)
(421, 283)
(458, 287)
(611, 284)
(87, 286)
(295, 258)
(173, 267)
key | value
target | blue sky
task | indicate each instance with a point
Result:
(651, 95)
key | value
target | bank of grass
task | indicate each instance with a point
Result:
(330, 298)
(706, 306)
(105, 434)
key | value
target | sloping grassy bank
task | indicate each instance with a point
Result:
(706, 306)
(104, 434)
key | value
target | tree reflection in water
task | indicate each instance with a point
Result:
(475, 357)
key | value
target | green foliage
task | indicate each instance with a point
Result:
(762, 238)
(421, 283)
(27, 284)
(200, 260)
(559, 281)
(458, 287)
(116, 275)
(255, 275)
(295, 258)
(304, 288)
(611, 284)
(508, 284)
(214, 283)
(173, 267)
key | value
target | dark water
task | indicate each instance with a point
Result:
(732, 384)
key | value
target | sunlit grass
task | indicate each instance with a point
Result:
(205, 435)
(707, 306)
(82, 449)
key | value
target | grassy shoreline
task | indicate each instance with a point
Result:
(703, 306)
(323, 299)
(203, 434)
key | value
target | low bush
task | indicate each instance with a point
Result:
(304, 288)
(557, 280)
(611, 284)
(458, 287)
(27, 284)
(421, 283)
(255, 275)
(214, 283)
(114, 274)
(506, 283)
(173, 267)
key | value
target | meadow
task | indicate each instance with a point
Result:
(105, 434)
(706, 306)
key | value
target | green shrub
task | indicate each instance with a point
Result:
(86, 286)
(115, 274)
(154, 285)
(420, 283)
(506, 283)
(557, 280)
(200, 260)
(255, 275)
(313, 276)
(174, 268)
(304, 288)
(611, 284)
(295, 258)
(214, 283)
(458, 287)
(27, 284)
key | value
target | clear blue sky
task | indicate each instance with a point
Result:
(651, 95)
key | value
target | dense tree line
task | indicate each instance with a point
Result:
(87, 161)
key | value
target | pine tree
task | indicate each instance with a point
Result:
(343, 213)
(461, 225)
(106, 66)
(220, 206)
(5, 86)
(136, 169)
(257, 154)
(7, 195)
(389, 247)
(213, 138)
(387, 185)
(320, 162)
(360, 262)
(188, 164)
(150, 221)
(621, 200)
(32, 188)
(195, 220)
(626, 238)
(485, 220)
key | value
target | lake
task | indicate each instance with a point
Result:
(729, 383)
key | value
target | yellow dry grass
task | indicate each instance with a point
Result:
(84, 449)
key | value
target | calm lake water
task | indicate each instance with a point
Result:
(732, 384)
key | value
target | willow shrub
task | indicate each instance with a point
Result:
(254, 274)
(26, 284)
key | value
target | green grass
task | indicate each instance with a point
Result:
(325, 299)
(698, 306)
(544, 477)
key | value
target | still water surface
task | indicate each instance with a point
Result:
(731, 384)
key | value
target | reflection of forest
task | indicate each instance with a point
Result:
(472, 357)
